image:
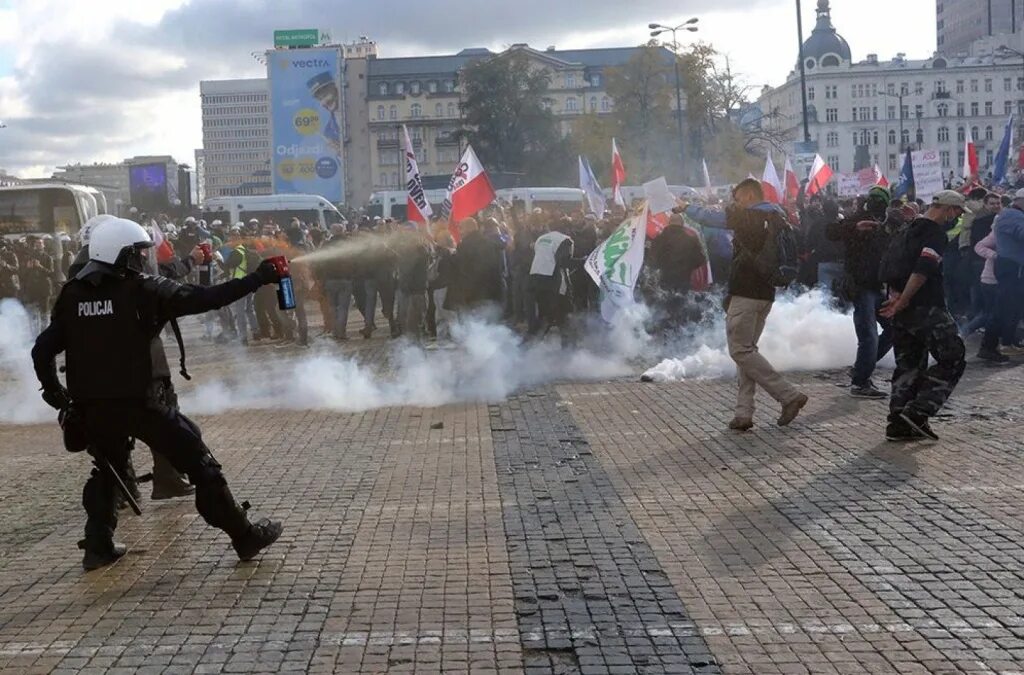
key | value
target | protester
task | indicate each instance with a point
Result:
(550, 280)
(1009, 272)
(921, 322)
(754, 223)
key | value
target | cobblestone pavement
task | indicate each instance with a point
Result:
(609, 527)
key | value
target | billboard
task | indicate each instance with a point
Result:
(147, 186)
(305, 114)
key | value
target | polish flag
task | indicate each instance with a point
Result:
(770, 182)
(821, 174)
(618, 176)
(970, 158)
(880, 178)
(164, 250)
(470, 187)
(417, 207)
(792, 184)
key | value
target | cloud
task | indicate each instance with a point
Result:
(86, 85)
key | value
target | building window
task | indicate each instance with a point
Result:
(942, 109)
(988, 107)
(416, 134)
(892, 162)
(833, 161)
(988, 85)
(943, 134)
(400, 87)
(438, 110)
(892, 137)
(394, 178)
(380, 112)
(832, 139)
(904, 88)
(959, 109)
(961, 134)
(974, 109)
(891, 112)
(944, 158)
(988, 157)
(905, 137)
(593, 104)
(810, 93)
(974, 133)
(919, 88)
(1007, 84)
(974, 86)
(831, 114)
(853, 114)
(570, 81)
(414, 88)
(959, 86)
(449, 86)
(1007, 107)
(383, 89)
(432, 87)
(920, 138)
(570, 104)
(919, 111)
(393, 112)
(988, 133)
(416, 110)
(451, 110)
(606, 104)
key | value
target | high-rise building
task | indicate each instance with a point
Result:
(958, 23)
(112, 179)
(236, 137)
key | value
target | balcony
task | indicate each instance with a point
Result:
(446, 139)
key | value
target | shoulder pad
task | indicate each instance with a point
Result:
(162, 287)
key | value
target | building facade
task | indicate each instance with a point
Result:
(869, 112)
(958, 23)
(113, 181)
(236, 137)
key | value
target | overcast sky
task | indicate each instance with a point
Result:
(101, 80)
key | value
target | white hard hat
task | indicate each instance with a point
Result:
(111, 237)
(190, 221)
(215, 223)
(90, 225)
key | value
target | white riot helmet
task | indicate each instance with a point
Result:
(119, 242)
(90, 225)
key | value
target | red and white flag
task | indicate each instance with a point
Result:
(970, 158)
(821, 174)
(164, 250)
(770, 183)
(471, 189)
(880, 178)
(417, 207)
(618, 176)
(792, 184)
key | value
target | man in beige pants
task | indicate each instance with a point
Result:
(750, 299)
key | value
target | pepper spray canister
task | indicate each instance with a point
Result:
(205, 268)
(285, 289)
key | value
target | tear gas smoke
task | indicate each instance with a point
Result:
(803, 332)
(352, 247)
(486, 362)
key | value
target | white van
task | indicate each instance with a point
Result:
(280, 209)
(547, 198)
(393, 203)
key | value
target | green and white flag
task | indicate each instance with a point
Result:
(615, 264)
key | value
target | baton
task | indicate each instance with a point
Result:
(121, 486)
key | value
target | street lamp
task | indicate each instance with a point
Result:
(656, 30)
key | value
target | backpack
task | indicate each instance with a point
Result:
(898, 259)
(777, 261)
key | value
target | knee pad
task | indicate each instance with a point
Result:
(207, 472)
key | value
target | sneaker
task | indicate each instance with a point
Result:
(741, 424)
(172, 490)
(792, 409)
(919, 424)
(260, 535)
(993, 355)
(869, 390)
(900, 432)
(94, 559)
(1013, 350)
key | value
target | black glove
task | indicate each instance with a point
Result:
(57, 399)
(267, 273)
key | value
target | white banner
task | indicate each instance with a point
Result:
(615, 264)
(927, 173)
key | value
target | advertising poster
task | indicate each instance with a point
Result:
(305, 112)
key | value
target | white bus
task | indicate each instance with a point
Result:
(48, 208)
(547, 198)
(392, 203)
(280, 209)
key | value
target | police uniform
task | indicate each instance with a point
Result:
(108, 321)
(925, 327)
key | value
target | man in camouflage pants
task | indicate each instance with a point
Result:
(922, 325)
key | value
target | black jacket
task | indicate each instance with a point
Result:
(675, 254)
(478, 264)
(863, 248)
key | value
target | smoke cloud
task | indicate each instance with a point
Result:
(19, 390)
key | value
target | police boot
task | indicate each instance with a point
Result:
(218, 507)
(100, 555)
(167, 482)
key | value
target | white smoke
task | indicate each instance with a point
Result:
(803, 332)
(19, 390)
(485, 362)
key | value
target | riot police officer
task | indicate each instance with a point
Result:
(108, 320)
